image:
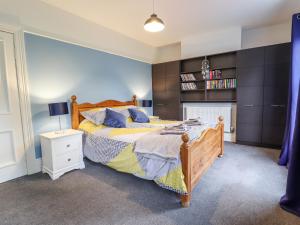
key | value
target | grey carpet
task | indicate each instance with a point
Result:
(243, 187)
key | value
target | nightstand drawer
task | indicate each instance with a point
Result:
(66, 160)
(64, 145)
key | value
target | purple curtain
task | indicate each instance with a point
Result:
(290, 154)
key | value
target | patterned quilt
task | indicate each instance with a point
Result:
(114, 147)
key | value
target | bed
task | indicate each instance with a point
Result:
(181, 174)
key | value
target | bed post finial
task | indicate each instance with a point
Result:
(73, 98)
(75, 112)
(221, 119)
(185, 138)
(134, 100)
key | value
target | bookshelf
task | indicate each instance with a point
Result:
(219, 87)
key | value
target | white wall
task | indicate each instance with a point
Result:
(168, 53)
(225, 40)
(37, 17)
(40, 18)
(211, 43)
(268, 35)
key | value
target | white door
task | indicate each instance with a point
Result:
(12, 154)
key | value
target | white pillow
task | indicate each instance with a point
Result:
(96, 117)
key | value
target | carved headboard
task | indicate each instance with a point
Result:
(77, 108)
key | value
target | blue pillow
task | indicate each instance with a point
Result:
(114, 119)
(138, 116)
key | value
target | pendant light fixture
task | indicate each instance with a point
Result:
(154, 24)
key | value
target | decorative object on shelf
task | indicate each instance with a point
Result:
(58, 109)
(146, 103)
(188, 77)
(188, 86)
(205, 68)
(154, 23)
(215, 74)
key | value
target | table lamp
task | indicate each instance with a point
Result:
(146, 103)
(58, 109)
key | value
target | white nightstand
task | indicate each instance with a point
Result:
(62, 152)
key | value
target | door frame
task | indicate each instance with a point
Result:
(34, 165)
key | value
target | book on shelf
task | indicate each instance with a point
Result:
(187, 77)
(188, 86)
(215, 74)
(221, 84)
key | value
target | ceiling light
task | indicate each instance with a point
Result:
(154, 24)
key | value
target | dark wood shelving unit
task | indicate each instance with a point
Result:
(199, 71)
(225, 62)
(192, 81)
(221, 78)
(220, 89)
(224, 68)
(193, 90)
(260, 73)
(215, 101)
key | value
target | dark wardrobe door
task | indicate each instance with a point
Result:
(166, 90)
(277, 70)
(172, 90)
(250, 78)
(158, 88)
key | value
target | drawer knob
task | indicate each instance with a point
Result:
(68, 146)
(69, 160)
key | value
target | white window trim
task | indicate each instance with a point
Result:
(33, 164)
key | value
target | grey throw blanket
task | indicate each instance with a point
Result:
(166, 146)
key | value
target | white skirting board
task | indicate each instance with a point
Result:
(209, 113)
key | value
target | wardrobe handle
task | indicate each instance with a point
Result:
(281, 106)
(159, 104)
(248, 105)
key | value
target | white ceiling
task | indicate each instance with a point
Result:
(182, 17)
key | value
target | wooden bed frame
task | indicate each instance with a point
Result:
(196, 156)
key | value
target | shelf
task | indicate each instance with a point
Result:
(220, 89)
(197, 71)
(221, 78)
(224, 68)
(192, 81)
(196, 90)
(207, 101)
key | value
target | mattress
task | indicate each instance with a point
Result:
(115, 148)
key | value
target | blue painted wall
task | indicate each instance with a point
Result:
(58, 70)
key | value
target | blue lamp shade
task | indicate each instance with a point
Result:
(60, 108)
(146, 103)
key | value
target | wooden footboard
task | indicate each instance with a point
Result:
(198, 155)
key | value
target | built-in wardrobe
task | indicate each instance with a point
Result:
(262, 78)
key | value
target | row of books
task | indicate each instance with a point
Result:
(215, 74)
(188, 86)
(218, 84)
(187, 77)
